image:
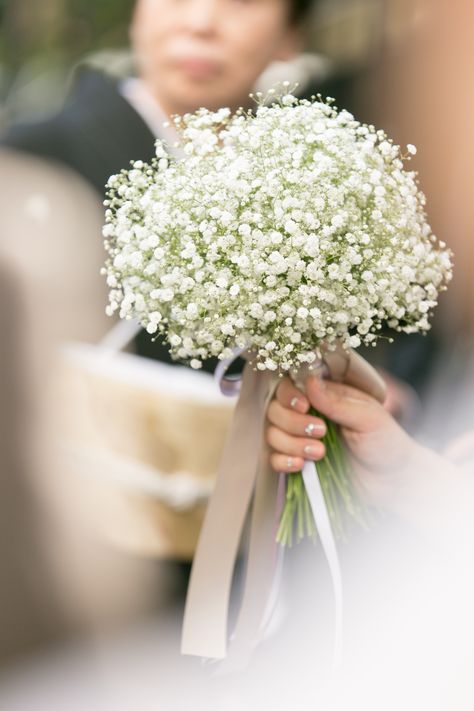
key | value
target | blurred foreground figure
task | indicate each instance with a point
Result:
(58, 576)
(31, 611)
(425, 96)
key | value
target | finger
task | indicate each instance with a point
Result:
(282, 463)
(290, 396)
(344, 404)
(290, 446)
(294, 423)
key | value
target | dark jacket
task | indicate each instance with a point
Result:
(97, 133)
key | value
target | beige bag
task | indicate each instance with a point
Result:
(140, 446)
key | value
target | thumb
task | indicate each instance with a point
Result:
(343, 404)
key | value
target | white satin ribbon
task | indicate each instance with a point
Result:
(268, 621)
(120, 335)
(229, 385)
(326, 536)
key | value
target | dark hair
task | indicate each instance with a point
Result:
(300, 9)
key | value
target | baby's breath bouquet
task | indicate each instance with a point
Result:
(281, 230)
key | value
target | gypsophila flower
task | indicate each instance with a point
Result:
(279, 229)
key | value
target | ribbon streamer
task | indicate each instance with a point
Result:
(243, 468)
(326, 536)
(244, 471)
(278, 569)
(229, 386)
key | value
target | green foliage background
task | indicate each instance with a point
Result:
(60, 30)
(41, 40)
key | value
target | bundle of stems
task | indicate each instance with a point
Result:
(333, 470)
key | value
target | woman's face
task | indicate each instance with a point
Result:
(194, 53)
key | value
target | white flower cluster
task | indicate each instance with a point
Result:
(279, 230)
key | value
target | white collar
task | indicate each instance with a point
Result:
(148, 108)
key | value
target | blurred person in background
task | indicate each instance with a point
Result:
(204, 53)
(208, 52)
(424, 96)
(58, 577)
(31, 610)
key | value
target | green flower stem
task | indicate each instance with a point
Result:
(334, 474)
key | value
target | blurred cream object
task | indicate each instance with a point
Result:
(143, 439)
(31, 611)
(51, 238)
(51, 247)
(123, 421)
(302, 70)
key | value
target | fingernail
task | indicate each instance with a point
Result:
(294, 464)
(313, 429)
(299, 405)
(318, 382)
(312, 452)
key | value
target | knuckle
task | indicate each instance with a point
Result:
(272, 435)
(283, 395)
(312, 448)
(272, 410)
(313, 427)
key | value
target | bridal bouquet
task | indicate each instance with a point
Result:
(287, 232)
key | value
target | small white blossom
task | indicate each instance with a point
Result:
(302, 312)
(354, 341)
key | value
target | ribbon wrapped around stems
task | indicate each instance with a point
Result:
(245, 471)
